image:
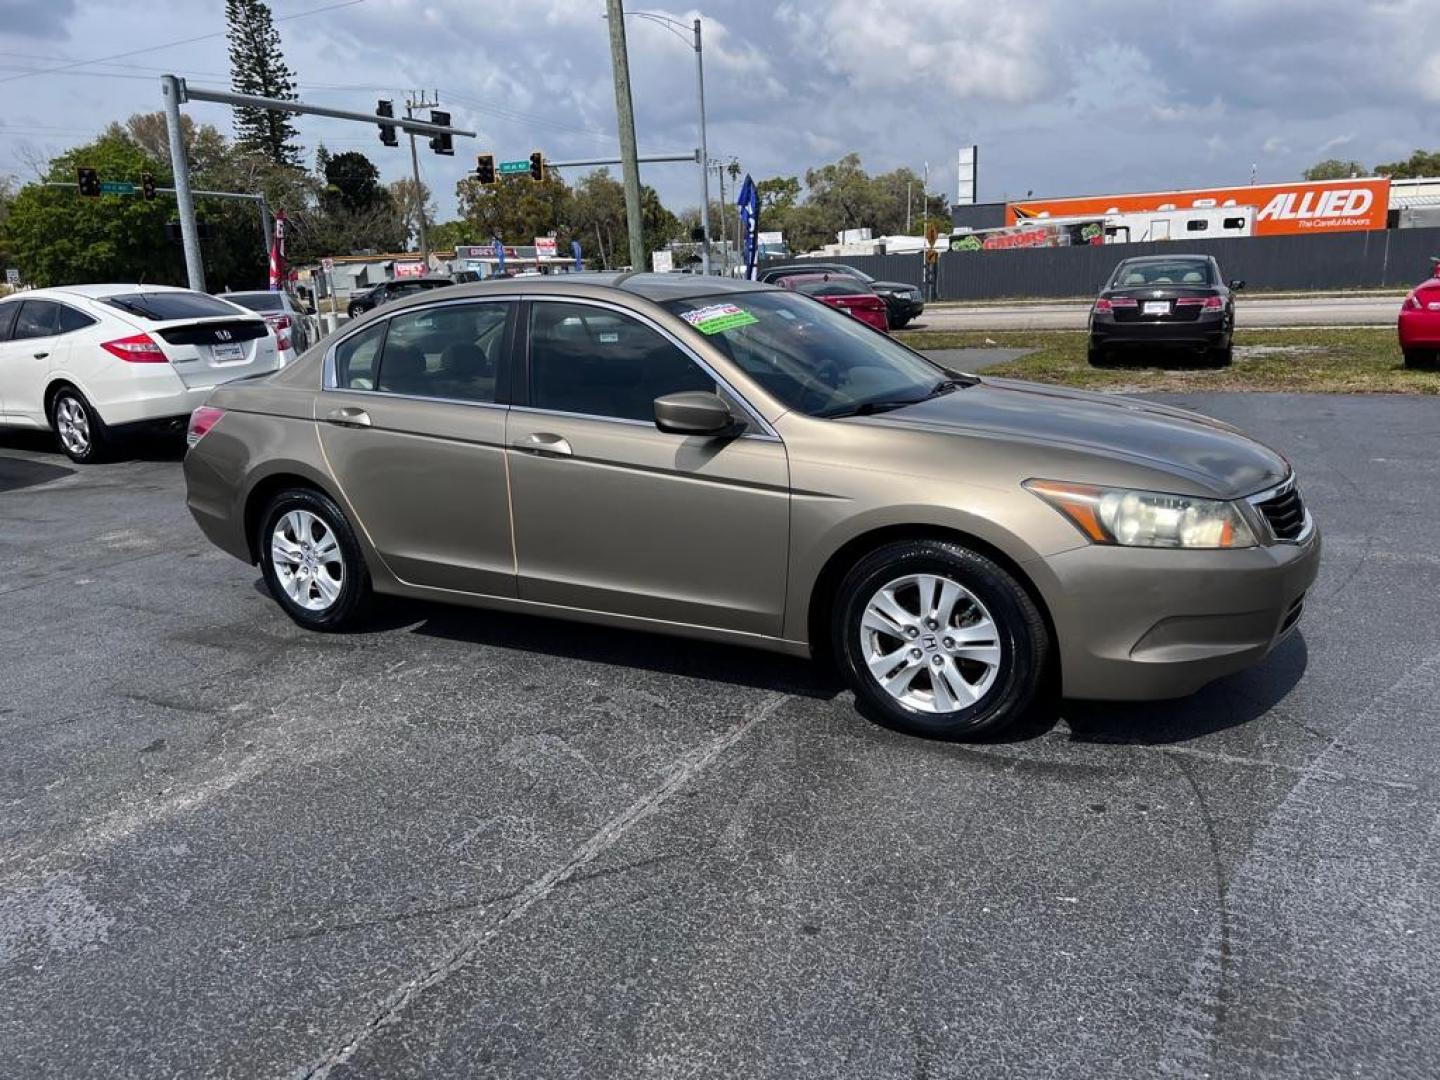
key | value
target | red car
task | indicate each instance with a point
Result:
(850, 295)
(1420, 323)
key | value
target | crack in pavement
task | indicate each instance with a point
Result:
(607, 836)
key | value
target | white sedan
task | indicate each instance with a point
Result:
(86, 360)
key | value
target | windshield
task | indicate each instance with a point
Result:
(162, 306)
(811, 357)
(257, 301)
(1168, 272)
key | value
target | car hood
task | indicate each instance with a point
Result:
(1209, 452)
(902, 286)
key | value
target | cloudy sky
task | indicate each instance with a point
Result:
(1063, 96)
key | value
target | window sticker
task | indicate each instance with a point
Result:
(608, 337)
(717, 318)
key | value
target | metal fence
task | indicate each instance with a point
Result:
(1352, 260)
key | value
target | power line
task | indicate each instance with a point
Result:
(170, 44)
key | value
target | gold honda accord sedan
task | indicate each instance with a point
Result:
(740, 463)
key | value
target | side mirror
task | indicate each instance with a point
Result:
(694, 412)
(1236, 284)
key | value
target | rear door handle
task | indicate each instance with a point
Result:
(41, 355)
(543, 442)
(349, 417)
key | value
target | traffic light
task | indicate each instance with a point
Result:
(441, 144)
(147, 185)
(537, 166)
(485, 169)
(88, 181)
(387, 131)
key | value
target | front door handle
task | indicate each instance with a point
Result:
(349, 417)
(41, 355)
(543, 442)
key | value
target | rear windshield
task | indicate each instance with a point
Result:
(1169, 272)
(163, 306)
(257, 301)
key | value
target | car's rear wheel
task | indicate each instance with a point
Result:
(82, 434)
(1422, 358)
(312, 562)
(1097, 356)
(937, 639)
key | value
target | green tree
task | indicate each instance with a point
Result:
(352, 184)
(58, 237)
(410, 200)
(597, 218)
(447, 234)
(845, 196)
(1334, 169)
(1420, 163)
(257, 66)
(516, 209)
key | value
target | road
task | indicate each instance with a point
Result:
(463, 844)
(1250, 313)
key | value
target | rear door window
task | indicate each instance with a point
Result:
(7, 319)
(71, 320)
(37, 319)
(454, 352)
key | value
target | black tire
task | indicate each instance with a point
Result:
(1422, 358)
(67, 407)
(1021, 634)
(351, 606)
(1097, 356)
(1220, 358)
(901, 323)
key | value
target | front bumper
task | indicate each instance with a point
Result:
(1144, 623)
(903, 308)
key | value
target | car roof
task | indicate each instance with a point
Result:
(97, 292)
(657, 287)
(1184, 257)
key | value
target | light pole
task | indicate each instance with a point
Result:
(678, 29)
(625, 117)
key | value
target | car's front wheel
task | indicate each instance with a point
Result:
(82, 434)
(940, 640)
(312, 562)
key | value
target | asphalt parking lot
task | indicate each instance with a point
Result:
(476, 845)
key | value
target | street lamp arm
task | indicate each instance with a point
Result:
(681, 30)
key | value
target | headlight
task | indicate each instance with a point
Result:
(1146, 518)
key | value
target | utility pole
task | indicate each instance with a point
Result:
(189, 232)
(724, 239)
(704, 158)
(909, 187)
(625, 114)
(410, 106)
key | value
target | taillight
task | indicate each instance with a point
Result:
(1205, 303)
(282, 342)
(1103, 306)
(201, 421)
(1413, 300)
(139, 349)
(278, 322)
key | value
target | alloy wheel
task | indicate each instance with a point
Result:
(73, 426)
(930, 643)
(307, 559)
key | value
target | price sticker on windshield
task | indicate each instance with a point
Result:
(717, 318)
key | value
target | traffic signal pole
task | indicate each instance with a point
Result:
(180, 165)
(177, 92)
(410, 106)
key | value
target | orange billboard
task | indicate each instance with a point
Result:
(1299, 207)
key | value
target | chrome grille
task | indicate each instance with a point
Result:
(1285, 513)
